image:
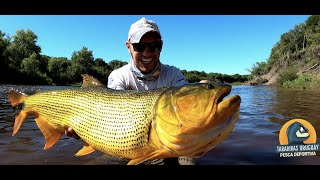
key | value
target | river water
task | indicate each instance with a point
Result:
(254, 140)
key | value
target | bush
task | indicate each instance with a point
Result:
(287, 75)
(305, 81)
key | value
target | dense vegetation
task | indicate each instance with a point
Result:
(296, 57)
(22, 63)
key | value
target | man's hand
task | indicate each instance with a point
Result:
(70, 132)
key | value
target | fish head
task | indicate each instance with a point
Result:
(194, 118)
(194, 105)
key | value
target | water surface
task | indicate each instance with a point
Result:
(263, 111)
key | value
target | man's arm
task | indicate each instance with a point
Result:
(115, 81)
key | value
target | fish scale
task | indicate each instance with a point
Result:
(116, 123)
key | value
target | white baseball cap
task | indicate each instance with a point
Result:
(141, 27)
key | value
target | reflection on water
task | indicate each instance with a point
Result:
(263, 111)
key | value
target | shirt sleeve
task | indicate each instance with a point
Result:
(180, 79)
(115, 81)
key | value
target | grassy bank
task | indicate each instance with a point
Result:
(304, 81)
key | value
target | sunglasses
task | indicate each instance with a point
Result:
(153, 47)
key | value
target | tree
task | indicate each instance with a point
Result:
(298, 38)
(4, 43)
(313, 29)
(30, 69)
(81, 63)
(58, 70)
(258, 68)
(100, 62)
(44, 60)
(101, 70)
(22, 46)
(115, 64)
(30, 65)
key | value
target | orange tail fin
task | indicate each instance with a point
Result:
(50, 134)
(16, 99)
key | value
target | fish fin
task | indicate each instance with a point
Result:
(155, 155)
(16, 97)
(50, 134)
(90, 81)
(20, 117)
(200, 154)
(87, 149)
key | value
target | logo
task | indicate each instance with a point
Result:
(297, 137)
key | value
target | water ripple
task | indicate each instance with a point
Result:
(263, 111)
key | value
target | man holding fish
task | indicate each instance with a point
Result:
(149, 114)
(145, 71)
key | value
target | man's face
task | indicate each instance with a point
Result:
(146, 53)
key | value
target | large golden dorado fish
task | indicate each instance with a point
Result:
(137, 125)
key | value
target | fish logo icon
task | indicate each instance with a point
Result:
(297, 132)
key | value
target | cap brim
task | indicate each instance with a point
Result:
(137, 36)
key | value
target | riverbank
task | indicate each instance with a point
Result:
(304, 81)
(310, 80)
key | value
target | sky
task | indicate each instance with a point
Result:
(227, 44)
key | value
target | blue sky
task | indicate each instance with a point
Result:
(226, 44)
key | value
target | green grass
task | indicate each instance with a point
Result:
(305, 81)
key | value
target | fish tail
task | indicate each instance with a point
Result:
(20, 117)
(16, 98)
(50, 134)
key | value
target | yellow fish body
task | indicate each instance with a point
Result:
(137, 125)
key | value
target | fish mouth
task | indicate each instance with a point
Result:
(224, 94)
(222, 97)
(227, 105)
(232, 102)
(225, 99)
(235, 99)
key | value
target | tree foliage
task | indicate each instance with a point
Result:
(294, 50)
(58, 70)
(22, 63)
(22, 46)
(116, 64)
(4, 43)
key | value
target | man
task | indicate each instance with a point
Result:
(145, 71)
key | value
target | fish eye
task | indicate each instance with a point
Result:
(210, 86)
